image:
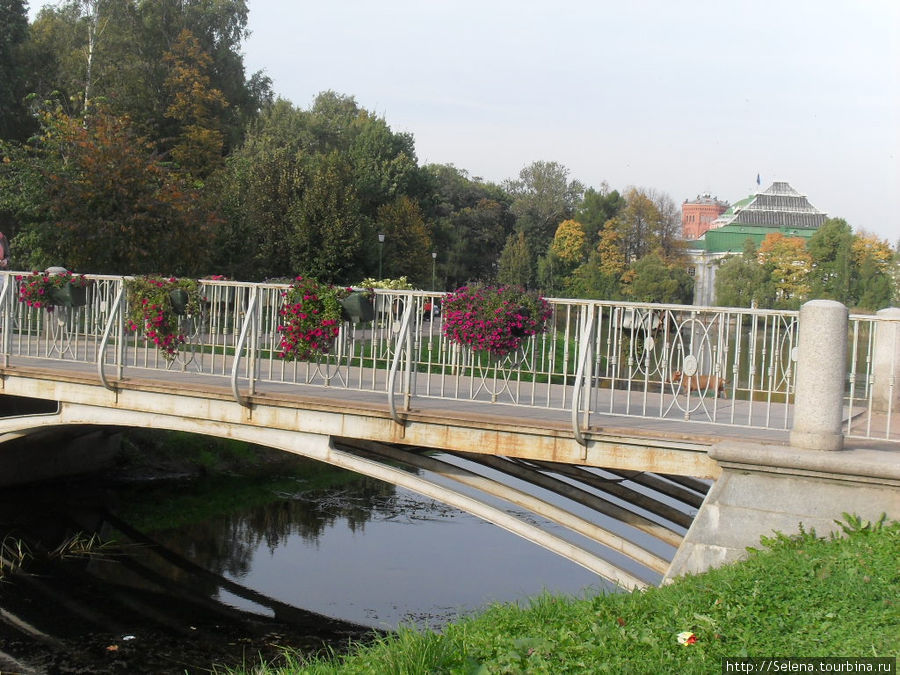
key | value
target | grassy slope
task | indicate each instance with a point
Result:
(801, 596)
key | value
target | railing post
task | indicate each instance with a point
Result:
(413, 321)
(403, 343)
(248, 330)
(253, 310)
(584, 374)
(821, 375)
(121, 301)
(116, 320)
(6, 305)
(886, 361)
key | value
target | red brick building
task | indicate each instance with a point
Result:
(697, 215)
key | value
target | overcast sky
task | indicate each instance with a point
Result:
(685, 96)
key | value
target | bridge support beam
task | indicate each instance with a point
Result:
(765, 489)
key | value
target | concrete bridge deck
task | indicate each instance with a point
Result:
(543, 433)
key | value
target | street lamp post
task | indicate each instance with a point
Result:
(380, 247)
(433, 263)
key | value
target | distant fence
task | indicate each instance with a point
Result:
(701, 364)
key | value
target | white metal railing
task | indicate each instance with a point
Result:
(686, 363)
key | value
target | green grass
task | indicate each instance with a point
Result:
(799, 596)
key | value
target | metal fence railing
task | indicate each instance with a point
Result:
(697, 364)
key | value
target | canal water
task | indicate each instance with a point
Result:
(221, 569)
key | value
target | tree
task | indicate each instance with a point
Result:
(651, 279)
(790, 264)
(597, 208)
(196, 106)
(667, 234)
(832, 261)
(407, 246)
(92, 196)
(385, 165)
(567, 251)
(569, 243)
(590, 280)
(326, 225)
(306, 189)
(636, 225)
(742, 281)
(14, 120)
(471, 221)
(514, 267)
(262, 184)
(542, 198)
(113, 50)
(474, 235)
(873, 287)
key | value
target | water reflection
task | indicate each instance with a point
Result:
(374, 554)
(304, 564)
(134, 608)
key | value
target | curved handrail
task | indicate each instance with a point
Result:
(249, 320)
(584, 353)
(402, 337)
(101, 352)
(8, 281)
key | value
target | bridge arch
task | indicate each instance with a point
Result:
(379, 461)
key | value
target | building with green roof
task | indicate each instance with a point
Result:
(779, 208)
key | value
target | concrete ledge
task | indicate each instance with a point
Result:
(863, 465)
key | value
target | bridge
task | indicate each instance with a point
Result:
(634, 429)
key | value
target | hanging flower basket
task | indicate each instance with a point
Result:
(493, 319)
(53, 289)
(358, 307)
(154, 305)
(69, 296)
(179, 299)
(310, 319)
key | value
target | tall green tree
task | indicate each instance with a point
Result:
(326, 224)
(831, 249)
(475, 235)
(872, 286)
(743, 281)
(514, 267)
(309, 190)
(543, 197)
(471, 220)
(407, 245)
(14, 120)
(652, 279)
(596, 208)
